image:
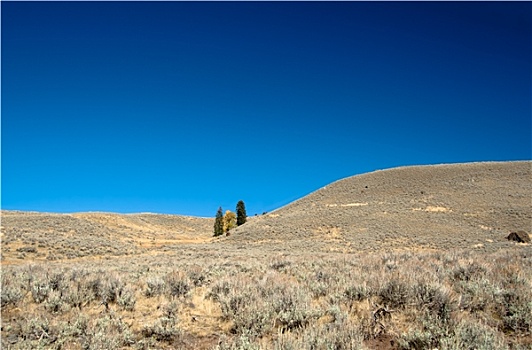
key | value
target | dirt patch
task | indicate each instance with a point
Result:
(382, 342)
(433, 209)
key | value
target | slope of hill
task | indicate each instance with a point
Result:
(58, 236)
(442, 206)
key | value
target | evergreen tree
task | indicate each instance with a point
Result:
(219, 223)
(241, 216)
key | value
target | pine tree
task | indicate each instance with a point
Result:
(241, 216)
(219, 223)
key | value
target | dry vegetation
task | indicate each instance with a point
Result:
(108, 281)
(45, 236)
(205, 299)
(431, 207)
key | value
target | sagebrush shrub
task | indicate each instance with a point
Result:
(40, 288)
(356, 292)
(431, 332)
(177, 284)
(197, 275)
(11, 290)
(476, 295)
(340, 336)
(290, 307)
(78, 328)
(515, 309)
(468, 271)
(54, 302)
(57, 280)
(33, 330)
(434, 298)
(240, 302)
(154, 286)
(110, 289)
(107, 332)
(456, 300)
(126, 298)
(470, 335)
(244, 341)
(165, 327)
(394, 293)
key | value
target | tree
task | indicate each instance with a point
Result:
(229, 220)
(241, 216)
(219, 223)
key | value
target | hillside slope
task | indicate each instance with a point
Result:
(58, 236)
(430, 207)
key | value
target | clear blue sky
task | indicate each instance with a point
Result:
(180, 107)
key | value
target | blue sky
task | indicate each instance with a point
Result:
(181, 107)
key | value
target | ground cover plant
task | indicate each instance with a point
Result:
(216, 298)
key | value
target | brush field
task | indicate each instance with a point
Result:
(418, 259)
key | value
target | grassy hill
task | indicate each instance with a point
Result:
(471, 205)
(406, 258)
(40, 236)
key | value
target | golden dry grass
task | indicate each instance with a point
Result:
(420, 263)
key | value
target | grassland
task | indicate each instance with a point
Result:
(303, 277)
(439, 207)
(207, 298)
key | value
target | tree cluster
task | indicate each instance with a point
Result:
(224, 223)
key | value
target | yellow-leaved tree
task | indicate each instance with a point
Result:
(229, 220)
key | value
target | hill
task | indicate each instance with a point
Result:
(473, 205)
(282, 280)
(39, 236)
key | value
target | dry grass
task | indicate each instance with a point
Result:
(391, 266)
(471, 206)
(246, 300)
(50, 237)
